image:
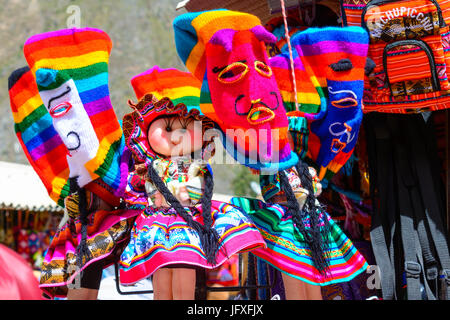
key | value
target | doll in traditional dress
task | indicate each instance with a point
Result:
(227, 51)
(182, 228)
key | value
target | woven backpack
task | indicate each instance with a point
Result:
(410, 48)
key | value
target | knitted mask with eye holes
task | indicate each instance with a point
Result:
(70, 69)
(47, 129)
(226, 50)
(329, 67)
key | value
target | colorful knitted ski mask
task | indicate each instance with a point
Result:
(329, 65)
(70, 68)
(226, 50)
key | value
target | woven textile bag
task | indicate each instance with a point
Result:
(410, 48)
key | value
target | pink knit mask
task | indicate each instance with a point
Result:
(245, 95)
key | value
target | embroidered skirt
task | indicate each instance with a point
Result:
(160, 237)
(288, 251)
(107, 234)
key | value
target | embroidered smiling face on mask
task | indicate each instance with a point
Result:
(239, 91)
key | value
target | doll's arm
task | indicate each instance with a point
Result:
(135, 193)
(301, 193)
(317, 186)
(146, 186)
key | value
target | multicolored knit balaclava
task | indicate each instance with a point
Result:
(226, 50)
(70, 68)
(329, 69)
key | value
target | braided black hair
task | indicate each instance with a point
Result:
(315, 209)
(211, 236)
(315, 236)
(82, 249)
(208, 235)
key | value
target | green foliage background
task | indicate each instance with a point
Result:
(142, 35)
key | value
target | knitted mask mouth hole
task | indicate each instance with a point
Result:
(233, 73)
(60, 109)
(260, 115)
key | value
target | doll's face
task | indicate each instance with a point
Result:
(175, 136)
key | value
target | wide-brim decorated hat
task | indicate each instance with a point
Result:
(161, 92)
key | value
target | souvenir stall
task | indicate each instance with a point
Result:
(391, 196)
(28, 217)
(348, 101)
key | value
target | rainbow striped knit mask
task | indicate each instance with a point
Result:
(226, 50)
(329, 67)
(70, 68)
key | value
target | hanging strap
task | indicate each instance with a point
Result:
(415, 167)
(431, 200)
(291, 58)
(381, 233)
(419, 199)
(388, 185)
(427, 254)
(445, 284)
(251, 276)
(412, 267)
